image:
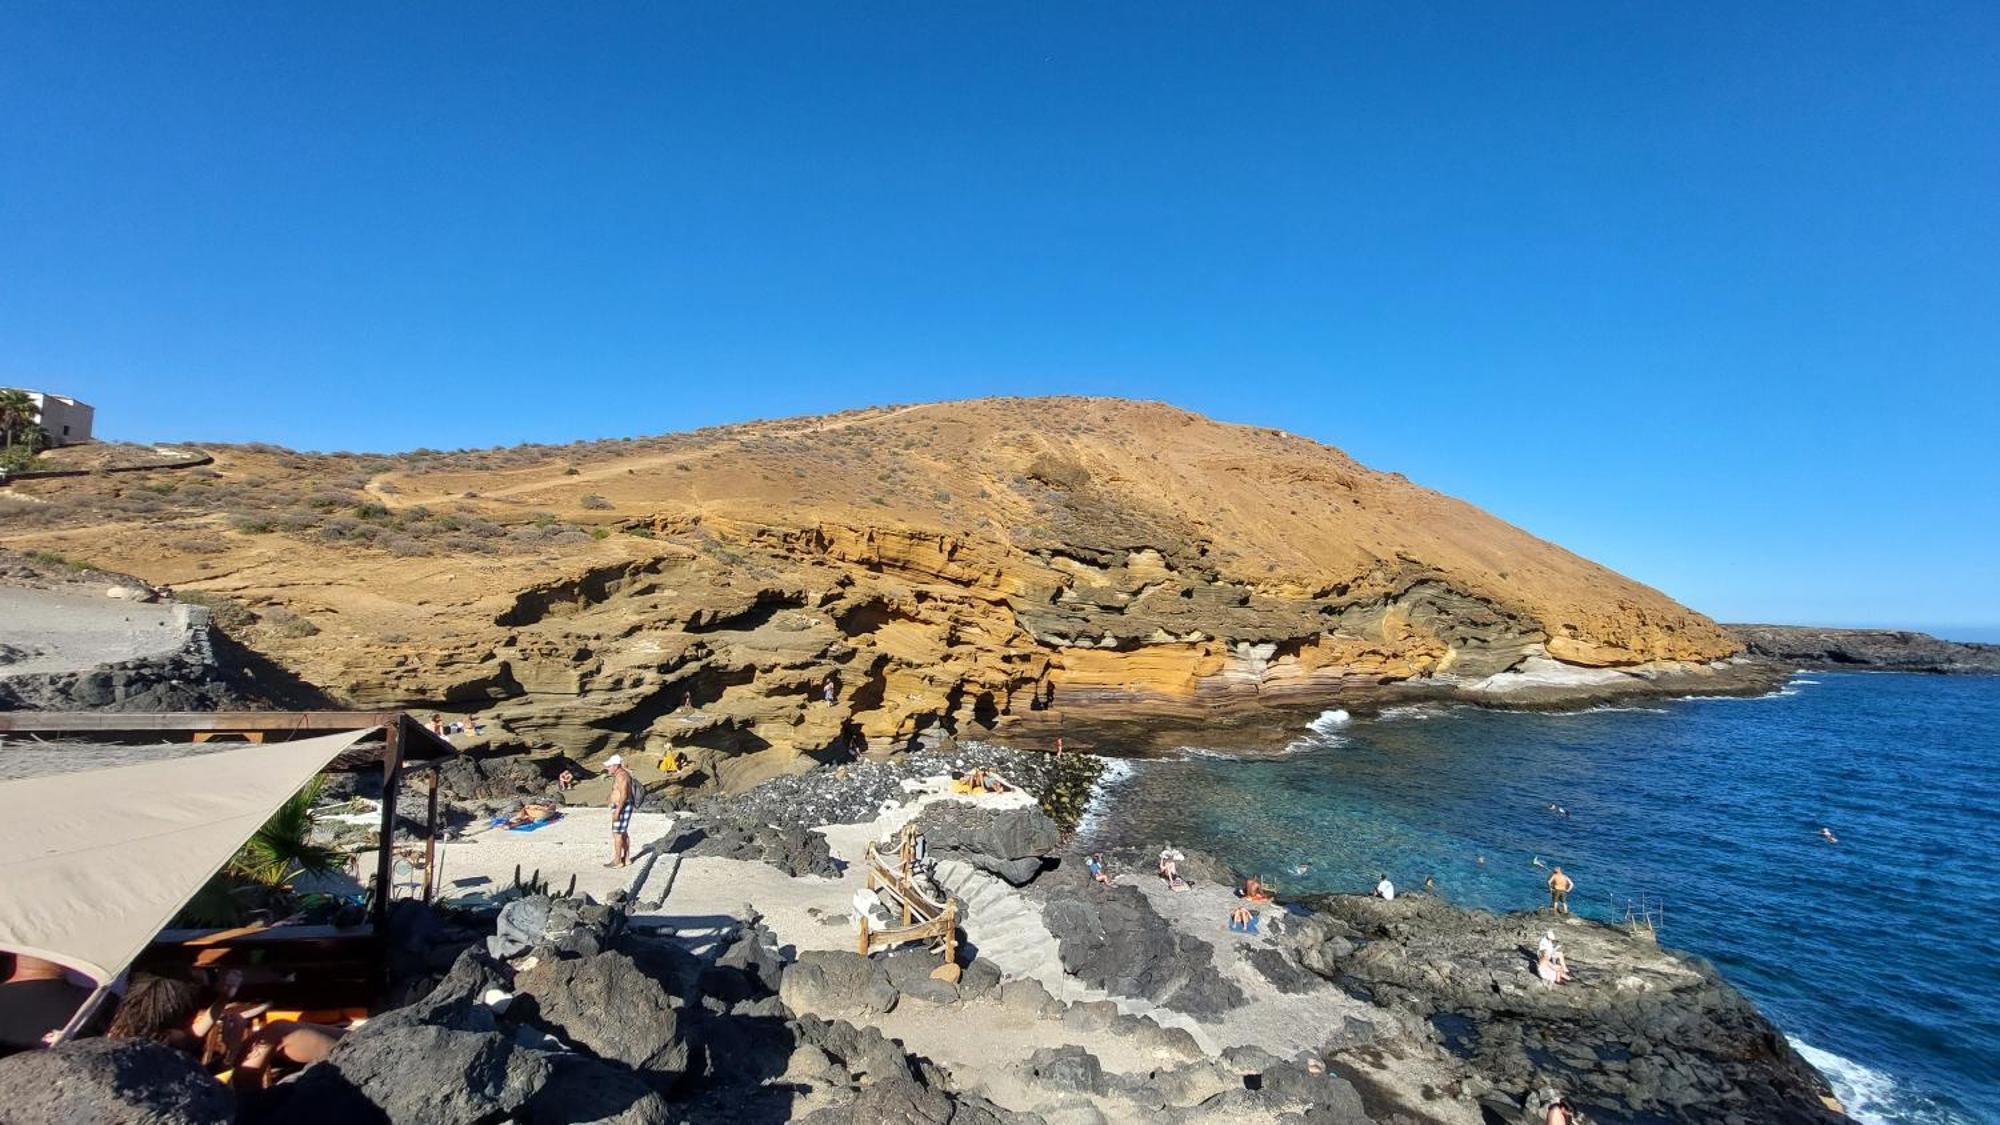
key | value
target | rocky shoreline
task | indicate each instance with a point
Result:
(736, 994)
(1869, 650)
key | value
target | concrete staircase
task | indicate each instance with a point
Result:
(1007, 929)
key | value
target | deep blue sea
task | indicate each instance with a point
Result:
(1879, 956)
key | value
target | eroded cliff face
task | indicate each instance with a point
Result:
(941, 566)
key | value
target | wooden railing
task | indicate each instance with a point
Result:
(924, 919)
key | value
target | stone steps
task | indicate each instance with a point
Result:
(1007, 929)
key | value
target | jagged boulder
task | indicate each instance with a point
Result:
(1069, 1069)
(909, 971)
(608, 1006)
(789, 847)
(1639, 1032)
(1113, 938)
(833, 982)
(567, 925)
(748, 969)
(583, 1091)
(416, 1072)
(471, 778)
(1008, 842)
(101, 1081)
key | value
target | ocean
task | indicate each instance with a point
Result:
(1879, 956)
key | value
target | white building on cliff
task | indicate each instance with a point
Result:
(66, 420)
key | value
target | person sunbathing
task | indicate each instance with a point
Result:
(265, 1053)
(533, 812)
(981, 781)
(1255, 891)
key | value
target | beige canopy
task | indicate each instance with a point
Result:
(93, 865)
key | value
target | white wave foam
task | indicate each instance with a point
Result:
(1803, 680)
(1608, 709)
(1329, 721)
(1193, 753)
(1418, 711)
(1116, 772)
(1866, 1094)
(1779, 694)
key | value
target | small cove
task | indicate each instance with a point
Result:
(1878, 955)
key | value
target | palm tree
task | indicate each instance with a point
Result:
(17, 413)
(282, 849)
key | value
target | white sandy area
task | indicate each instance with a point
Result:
(1544, 672)
(74, 632)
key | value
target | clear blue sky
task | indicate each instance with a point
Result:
(1710, 293)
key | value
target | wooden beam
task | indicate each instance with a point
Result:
(420, 745)
(148, 722)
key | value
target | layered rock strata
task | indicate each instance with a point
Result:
(778, 593)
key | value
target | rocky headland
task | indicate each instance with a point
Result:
(1867, 650)
(767, 595)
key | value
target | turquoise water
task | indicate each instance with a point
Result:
(1879, 955)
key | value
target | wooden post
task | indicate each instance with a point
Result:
(392, 766)
(862, 945)
(431, 837)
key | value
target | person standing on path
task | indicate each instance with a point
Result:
(624, 797)
(1560, 885)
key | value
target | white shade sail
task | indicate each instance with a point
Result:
(93, 865)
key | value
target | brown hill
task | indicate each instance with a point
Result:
(940, 563)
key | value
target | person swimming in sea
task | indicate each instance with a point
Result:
(1301, 868)
(1827, 835)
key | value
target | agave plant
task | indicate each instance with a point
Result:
(283, 849)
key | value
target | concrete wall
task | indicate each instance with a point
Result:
(66, 420)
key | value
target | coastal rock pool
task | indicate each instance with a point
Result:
(1879, 955)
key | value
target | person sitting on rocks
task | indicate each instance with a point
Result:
(162, 1009)
(1096, 865)
(1385, 890)
(1550, 967)
(1254, 890)
(1170, 867)
(1560, 1112)
(566, 780)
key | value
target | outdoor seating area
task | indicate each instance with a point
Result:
(139, 848)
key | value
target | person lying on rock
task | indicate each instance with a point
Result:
(981, 781)
(1243, 920)
(533, 812)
